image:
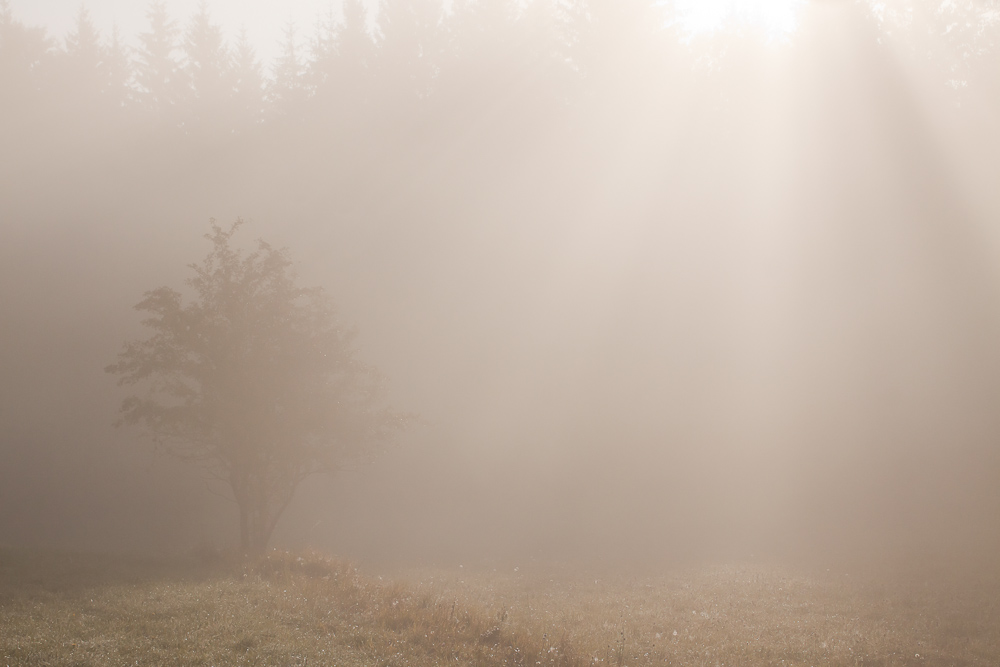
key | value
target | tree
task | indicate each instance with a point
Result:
(255, 379)
(119, 72)
(93, 82)
(207, 64)
(341, 66)
(406, 56)
(287, 90)
(85, 62)
(159, 75)
(323, 55)
(247, 85)
(25, 53)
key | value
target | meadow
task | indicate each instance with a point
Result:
(306, 609)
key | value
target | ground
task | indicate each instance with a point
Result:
(307, 609)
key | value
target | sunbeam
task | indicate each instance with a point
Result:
(776, 18)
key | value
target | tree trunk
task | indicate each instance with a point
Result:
(244, 529)
(257, 520)
(260, 508)
(252, 501)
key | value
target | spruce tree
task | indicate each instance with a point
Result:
(158, 74)
(206, 65)
(83, 66)
(408, 46)
(287, 91)
(118, 71)
(246, 85)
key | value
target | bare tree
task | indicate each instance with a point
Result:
(254, 378)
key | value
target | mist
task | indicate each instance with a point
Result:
(656, 294)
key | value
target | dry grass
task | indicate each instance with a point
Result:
(284, 610)
(309, 610)
(746, 615)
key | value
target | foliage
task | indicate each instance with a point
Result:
(255, 378)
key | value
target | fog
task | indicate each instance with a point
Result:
(655, 294)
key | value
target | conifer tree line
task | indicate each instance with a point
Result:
(183, 74)
(417, 55)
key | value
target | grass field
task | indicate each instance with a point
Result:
(79, 610)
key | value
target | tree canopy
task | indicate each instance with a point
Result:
(255, 378)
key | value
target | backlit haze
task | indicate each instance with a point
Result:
(664, 281)
(775, 18)
(264, 20)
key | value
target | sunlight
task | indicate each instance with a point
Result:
(777, 18)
